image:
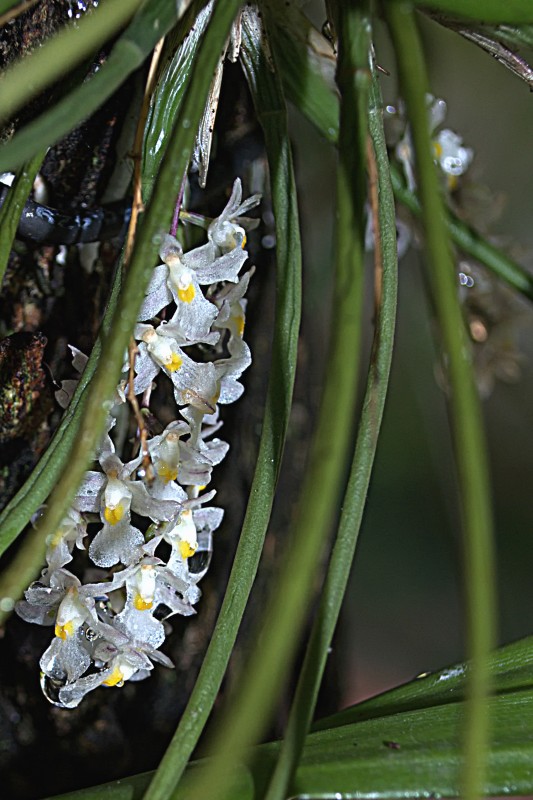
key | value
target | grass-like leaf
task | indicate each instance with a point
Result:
(105, 379)
(177, 59)
(509, 11)
(33, 73)
(282, 371)
(339, 568)
(466, 417)
(13, 205)
(153, 21)
(281, 625)
(316, 100)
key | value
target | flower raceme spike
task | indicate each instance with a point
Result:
(109, 632)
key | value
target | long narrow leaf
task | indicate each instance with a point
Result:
(33, 73)
(339, 568)
(466, 417)
(13, 205)
(270, 661)
(152, 22)
(170, 90)
(105, 379)
(510, 11)
(315, 99)
(276, 418)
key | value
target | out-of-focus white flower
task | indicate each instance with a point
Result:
(452, 157)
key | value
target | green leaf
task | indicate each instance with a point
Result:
(13, 205)
(153, 21)
(307, 67)
(399, 753)
(276, 417)
(177, 60)
(515, 36)
(339, 568)
(301, 61)
(157, 217)
(10, 5)
(33, 73)
(498, 11)
(510, 669)
(465, 408)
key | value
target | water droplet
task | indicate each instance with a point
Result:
(466, 280)
(51, 688)
(7, 604)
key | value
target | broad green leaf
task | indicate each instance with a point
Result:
(153, 21)
(33, 73)
(510, 667)
(405, 754)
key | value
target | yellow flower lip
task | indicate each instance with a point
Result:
(187, 549)
(187, 295)
(142, 605)
(115, 679)
(63, 631)
(175, 363)
(113, 515)
(167, 472)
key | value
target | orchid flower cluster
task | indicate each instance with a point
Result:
(451, 156)
(110, 631)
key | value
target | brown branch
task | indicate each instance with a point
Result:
(136, 210)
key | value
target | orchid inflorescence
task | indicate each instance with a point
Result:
(110, 631)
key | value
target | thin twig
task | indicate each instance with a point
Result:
(138, 208)
(177, 210)
(137, 204)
